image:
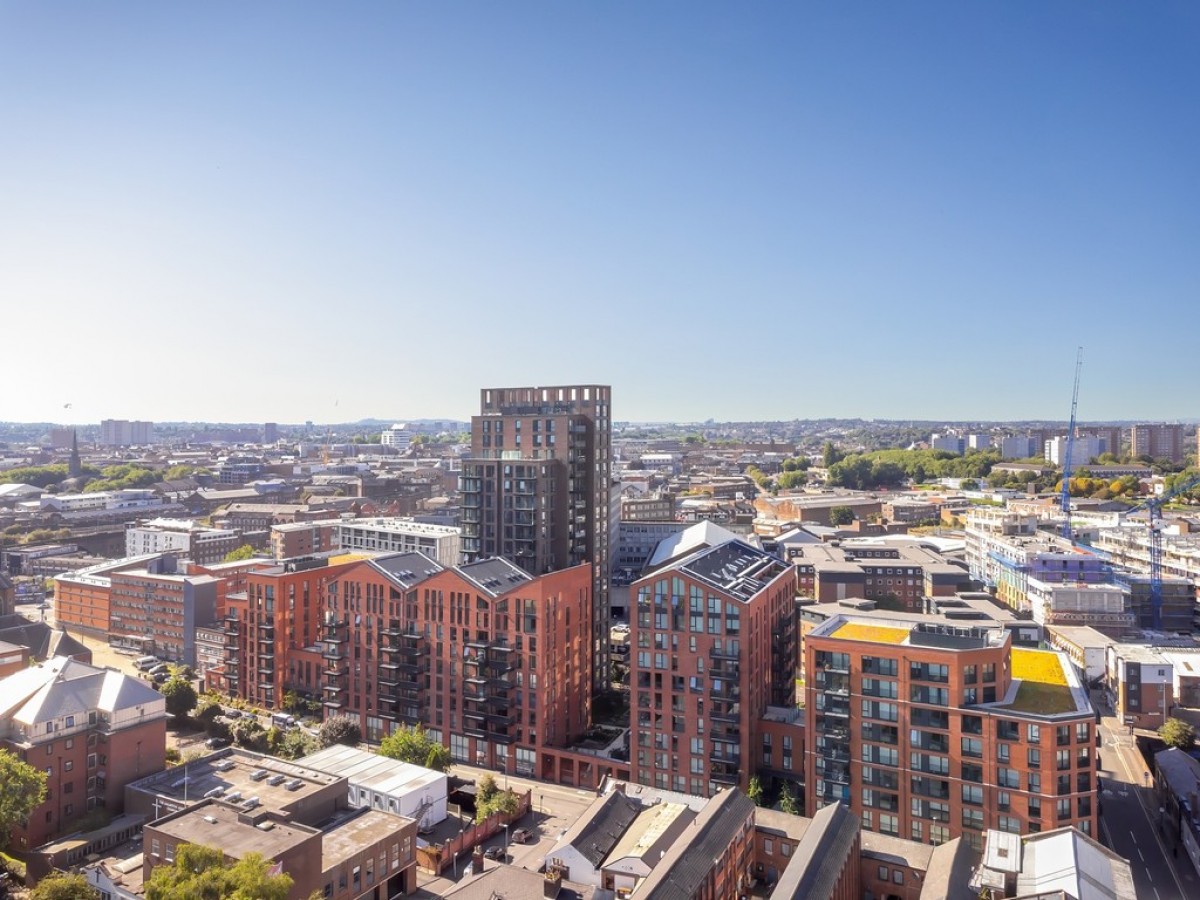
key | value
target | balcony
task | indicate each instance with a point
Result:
(727, 735)
(724, 771)
(724, 653)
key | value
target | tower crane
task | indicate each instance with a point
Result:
(1068, 462)
(1153, 507)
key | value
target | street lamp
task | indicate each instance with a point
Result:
(506, 842)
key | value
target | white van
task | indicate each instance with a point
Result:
(145, 663)
(282, 720)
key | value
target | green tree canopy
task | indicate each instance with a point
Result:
(203, 873)
(841, 515)
(181, 696)
(498, 801)
(243, 552)
(64, 886)
(339, 730)
(1178, 733)
(412, 744)
(24, 791)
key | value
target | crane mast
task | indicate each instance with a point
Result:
(1068, 462)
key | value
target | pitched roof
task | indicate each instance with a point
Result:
(63, 687)
(494, 576)
(680, 872)
(820, 858)
(1066, 859)
(693, 538)
(949, 872)
(597, 831)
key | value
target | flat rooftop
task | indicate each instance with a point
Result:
(351, 834)
(233, 770)
(217, 825)
(399, 526)
(1044, 683)
(910, 632)
(370, 770)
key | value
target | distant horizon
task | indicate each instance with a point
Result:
(376, 422)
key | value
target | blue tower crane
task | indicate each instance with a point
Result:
(1153, 507)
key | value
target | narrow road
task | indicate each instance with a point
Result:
(1129, 822)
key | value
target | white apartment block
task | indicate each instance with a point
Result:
(441, 543)
(1083, 451)
(397, 436)
(199, 543)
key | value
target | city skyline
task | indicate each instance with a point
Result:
(928, 207)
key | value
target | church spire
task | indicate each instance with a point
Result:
(75, 466)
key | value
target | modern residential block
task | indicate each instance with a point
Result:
(713, 647)
(930, 732)
(537, 488)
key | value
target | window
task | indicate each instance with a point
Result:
(884, 874)
(1033, 734)
(889, 824)
(897, 876)
(769, 847)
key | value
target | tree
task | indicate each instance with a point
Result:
(831, 454)
(755, 790)
(290, 744)
(787, 800)
(486, 788)
(243, 552)
(841, 515)
(24, 791)
(498, 802)
(64, 886)
(200, 872)
(181, 696)
(1177, 733)
(339, 730)
(412, 744)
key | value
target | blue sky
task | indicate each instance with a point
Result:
(249, 212)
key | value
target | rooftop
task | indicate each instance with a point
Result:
(217, 825)
(361, 768)
(1042, 685)
(277, 783)
(913, 632)
(735, 567)
(350, 834)
(399, 525)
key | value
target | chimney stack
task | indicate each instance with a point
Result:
(552, 883)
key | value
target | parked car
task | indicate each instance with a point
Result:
(231, 713)
(159, 669)
(521, 836)
(494, 853)
(216, 743)
(160, 678)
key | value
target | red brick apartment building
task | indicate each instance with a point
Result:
(497, 663)
(269, 625)
(931, 731)
(91, 730)
(713, 646)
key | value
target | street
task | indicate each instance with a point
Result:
(1129, 821)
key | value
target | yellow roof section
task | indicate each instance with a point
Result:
(343, 558)
(1040, 666)
(875, 634)
(1043, 685)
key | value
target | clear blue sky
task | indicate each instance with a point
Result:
(279, 212)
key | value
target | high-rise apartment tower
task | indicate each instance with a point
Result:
(536, 489)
